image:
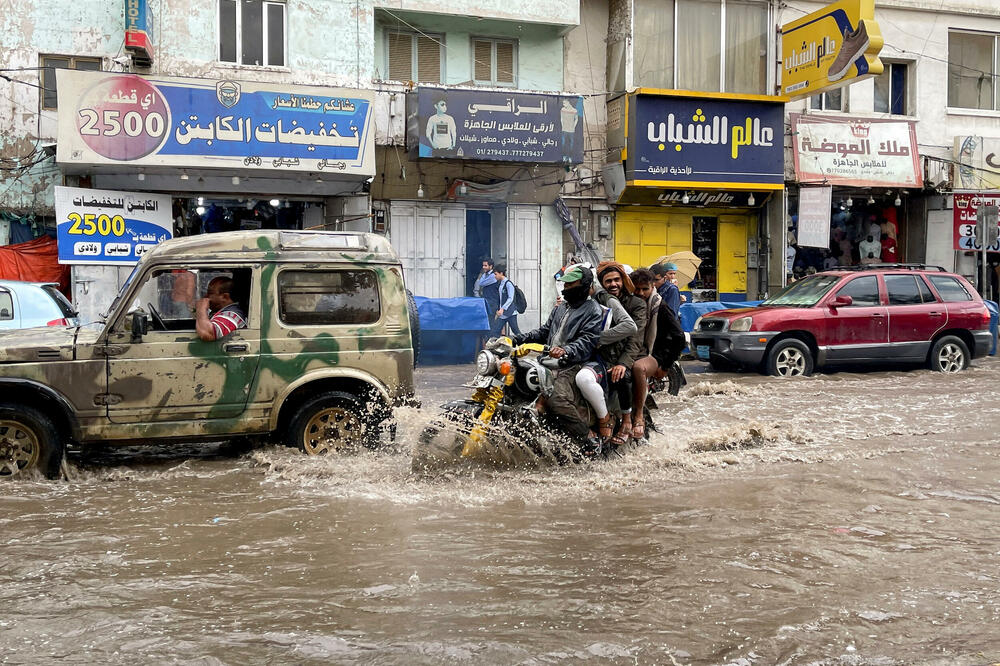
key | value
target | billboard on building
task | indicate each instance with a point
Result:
(966, 206)
(723, 142)
(127, 119)
(830, 48)
(456, 123)
(860, 152)
(108, 226)
(978, 160)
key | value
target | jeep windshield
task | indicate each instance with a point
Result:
(805, 292)
(124, 288)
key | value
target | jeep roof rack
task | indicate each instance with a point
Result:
(911, 267)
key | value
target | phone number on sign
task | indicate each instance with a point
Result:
(90, 224)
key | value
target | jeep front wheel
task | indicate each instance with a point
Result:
(331, 422)
(28, 441)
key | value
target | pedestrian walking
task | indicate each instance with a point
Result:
(506, 313)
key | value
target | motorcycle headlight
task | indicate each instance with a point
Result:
(740, 325)
(485, 362)
(697, 324)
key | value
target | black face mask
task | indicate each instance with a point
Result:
(576, 295)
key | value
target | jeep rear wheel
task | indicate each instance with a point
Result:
(332, 422)
(28, 441)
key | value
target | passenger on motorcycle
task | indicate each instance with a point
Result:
(645, 365)
(572, 332)
(621, 358)
(592, 379)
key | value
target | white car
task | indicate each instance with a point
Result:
(30, 304)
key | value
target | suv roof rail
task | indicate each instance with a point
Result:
(911, 267)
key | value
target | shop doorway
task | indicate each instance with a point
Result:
(478, 231)
(705, 244)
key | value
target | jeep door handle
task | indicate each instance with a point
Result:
(236, 347)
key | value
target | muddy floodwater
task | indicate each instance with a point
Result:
(847, 518)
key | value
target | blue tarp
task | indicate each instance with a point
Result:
(691, 311)
(450, 329)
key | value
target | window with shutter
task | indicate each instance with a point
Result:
(414, 57)
(494, 62)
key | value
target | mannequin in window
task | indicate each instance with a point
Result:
(870, 250)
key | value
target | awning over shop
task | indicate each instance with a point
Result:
(859, 152)
(210, 135)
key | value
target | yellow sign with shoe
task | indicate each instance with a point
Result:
(830, 48)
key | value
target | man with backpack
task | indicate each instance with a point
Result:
(506, 314)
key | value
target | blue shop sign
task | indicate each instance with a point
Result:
(705, 142)
(495, 126)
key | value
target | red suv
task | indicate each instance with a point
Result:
(899, 312)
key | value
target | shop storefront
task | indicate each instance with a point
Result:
(697, 171)
(854, 180)
(226, 155)
(478, 180)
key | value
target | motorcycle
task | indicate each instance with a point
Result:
(499, 424)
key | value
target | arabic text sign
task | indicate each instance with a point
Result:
(496, 126)
(107, 226)
(814, 216)
(855, 151)
(978, 163)
(966, 205)
(108, 118)
(830, 48)
(659, 196)
(682, 140)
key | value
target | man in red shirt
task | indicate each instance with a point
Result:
(217, 315)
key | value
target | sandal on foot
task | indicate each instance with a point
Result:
(620, 439)
(605, 427)
(638, 431)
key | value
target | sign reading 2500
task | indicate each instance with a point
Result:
(222, 124)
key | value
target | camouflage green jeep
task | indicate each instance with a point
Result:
(320, 355)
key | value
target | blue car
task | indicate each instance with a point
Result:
(30, 304)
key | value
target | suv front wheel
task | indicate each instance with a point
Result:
(949, 354)
(790, 358)
(28, 440)
(331, 422)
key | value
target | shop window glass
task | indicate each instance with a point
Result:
(328, 297)
(746, 47)
(902, 290)
(699, 56)
(950, 289)
(972, 70)
(252, 32)
(50, 93)
(862, 290)
(890, 89)
(653, 41)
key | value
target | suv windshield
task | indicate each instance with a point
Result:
(805, 292)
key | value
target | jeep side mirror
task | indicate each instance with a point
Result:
(841, 302)
(140, 326)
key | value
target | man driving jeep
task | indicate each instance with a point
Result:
(217, 314)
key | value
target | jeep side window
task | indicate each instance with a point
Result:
(950, 288)
(173, 292)
(315, 298)
(862, 290)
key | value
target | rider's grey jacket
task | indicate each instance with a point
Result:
(575, 329)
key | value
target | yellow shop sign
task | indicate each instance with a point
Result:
(830, 48)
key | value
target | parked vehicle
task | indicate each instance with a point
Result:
(31, 304)
(324, 358)
(866, 314)
(497, 423)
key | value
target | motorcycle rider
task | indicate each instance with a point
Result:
(621, 355)
(572, 332)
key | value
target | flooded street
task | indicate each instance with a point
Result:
(846, 518)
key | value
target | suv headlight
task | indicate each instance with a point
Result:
(740, 325)
(485, 362)
(697, 324)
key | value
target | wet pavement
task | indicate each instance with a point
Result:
(845, 518)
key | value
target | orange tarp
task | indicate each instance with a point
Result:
(35, 261)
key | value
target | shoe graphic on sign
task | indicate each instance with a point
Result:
(855, 43)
